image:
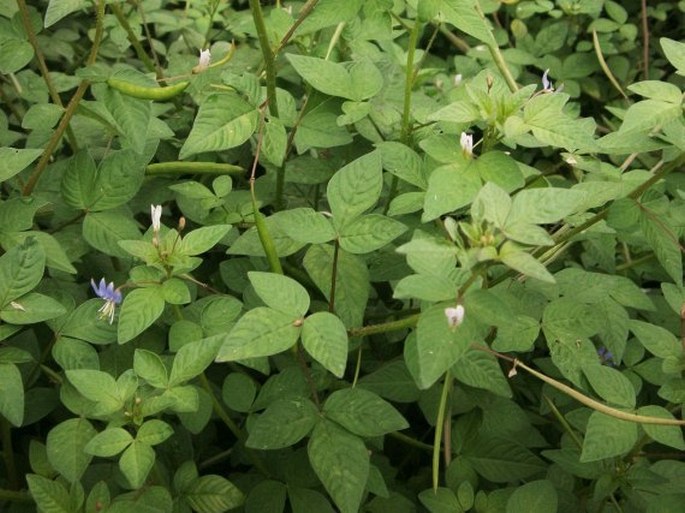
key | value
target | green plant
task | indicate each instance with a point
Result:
(381, 256)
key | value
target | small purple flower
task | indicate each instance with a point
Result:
(111, 296)
(605, 356)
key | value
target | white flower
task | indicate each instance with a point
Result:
(546, 84)
(156, 215)
(466, 142)
(457, 79)
(205, 57)
(455, 315)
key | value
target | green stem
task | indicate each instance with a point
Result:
(498, 57)
(195, 168)
(304, 12)
(130, 35)
(71, 107)
(8, 453)
(411, 441)
(439, 426)
(562, 420)
(401, 324)
(334, 276)
(11, 495)
(268, 55)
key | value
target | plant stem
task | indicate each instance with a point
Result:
(373, 329)
(195, 168)
(45, 73)
(11, 495)
(411, 441)
(334, 276)
(130, 35)
(439, 426)
(268, 55)
(71, 107)
(562, 420)
(304, 12)
(8, 453)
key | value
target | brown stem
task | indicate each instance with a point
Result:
(304, 12)
(645, 40)
(334, 276)
(71, 107)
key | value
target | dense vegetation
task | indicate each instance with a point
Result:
(386, 256)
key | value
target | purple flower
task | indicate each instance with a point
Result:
(111, 296)
(605, 356)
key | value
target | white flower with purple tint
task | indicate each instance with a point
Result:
(466, 142)
(455, 315)
(205, 58)
(547, 85)
(156, 215)
(111, 296)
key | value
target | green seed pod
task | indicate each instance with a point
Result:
(147, 93)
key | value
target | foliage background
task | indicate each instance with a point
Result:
(396, 269)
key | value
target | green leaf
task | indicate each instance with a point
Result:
(428, 288)
(274, 142)
(306, 225)
(136, 463)
(352, 284)
(284, 423)
(439, 347)
(224, 121)
(98, 498)
(363, 413)
(280, 293)
(213, 494)
(50, 496)
(104, 230)
(450, 187)
(480, 369)
(357, 81)
(611, 385)
(175, 292)
(31, 308)
(153, 432)
(657, 340)
(539, 496)
(491, 204)
(97, 386)
(658, 89)
(675, 53)
(403, 162)
(15, 160)
(192, 359)
(21, 269)
(239, 391)
(261, 331)
(544, 206)
(78, 181)
(58, 9)
(664, 241)
(12, 396)
(368, 233)
(606, 437)
(65, 447)
(501, 460)
(141, 308)
(203, 239)
(392, 381)
(14, 54)
(267, 497)
(132, 117)
(441, 500)
(671, 436)
(355, 188)
(304, 500)
(649, 114)
(250, 244)
(524, 262)
(150, 499)
(84, 323)
(463, 15)
(119, 178)
(324, 337)
(109, 442)
(341, 462)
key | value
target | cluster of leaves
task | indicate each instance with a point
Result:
(356, 307)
